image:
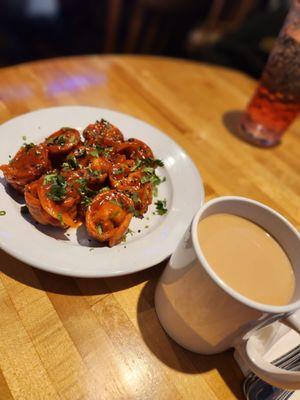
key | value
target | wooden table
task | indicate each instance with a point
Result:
(64, 338)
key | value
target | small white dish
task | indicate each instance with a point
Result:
(70, 252)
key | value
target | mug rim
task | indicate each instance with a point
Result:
(215, 277)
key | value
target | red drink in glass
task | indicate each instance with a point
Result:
(276, 102)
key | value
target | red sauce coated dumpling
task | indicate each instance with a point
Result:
(34, 205)
(121, 178)
(103, 133)
(59, 197)
(134, 148)
(108, 217)
(63, 141)
(28, 164)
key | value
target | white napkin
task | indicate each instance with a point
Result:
(276, 340)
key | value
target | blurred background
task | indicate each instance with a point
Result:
(233, 33)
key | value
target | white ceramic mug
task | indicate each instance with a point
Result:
(205, 315)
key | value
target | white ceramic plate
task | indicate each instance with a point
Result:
(71, 252)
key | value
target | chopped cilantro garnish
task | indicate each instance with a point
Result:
(159, 163)
(58, 140)
(137, 165)
(161, 207)
(133, 211)
(83, 188)
(147, 162)
(85, 192)
(94, 153)
(82, 181)
(157, 180)
(148, 170)
(86, 201)
(24, 138)
(28, 146)
(114, 201)
(104, 151)
(99, 229)
(57, 190)
(72, 139)
(135, 198)
(152, 162)
(50, 178)
(65, 166)
(150, 176)
(118, 171)
(80, 152)
(145, 178)
(105, 123)
(104, 189)
(71, 162)
(24, 210)
(59, 216)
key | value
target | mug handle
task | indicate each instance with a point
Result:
(266, 371)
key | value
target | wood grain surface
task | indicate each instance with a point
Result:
(64, 338)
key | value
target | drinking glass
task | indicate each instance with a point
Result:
(276, 101)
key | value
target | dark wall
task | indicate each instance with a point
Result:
(81, 26)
